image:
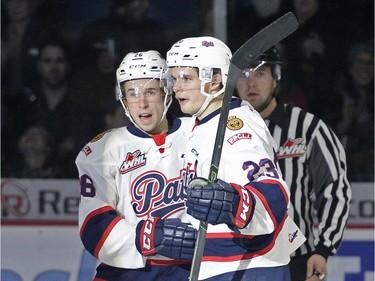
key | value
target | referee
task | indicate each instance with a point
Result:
(313, 163)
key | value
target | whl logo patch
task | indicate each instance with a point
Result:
(133, 160)
(292, 148)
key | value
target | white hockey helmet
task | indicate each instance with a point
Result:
(142, 65)
(205, 53)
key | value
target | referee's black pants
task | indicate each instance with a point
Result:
(298, 267)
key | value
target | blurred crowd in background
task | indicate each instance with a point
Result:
(59, 57)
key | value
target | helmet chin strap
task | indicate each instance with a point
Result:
(209, 98)
(266, 104)
(127, 113)
(167, 104)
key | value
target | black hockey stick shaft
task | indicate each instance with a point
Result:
(245, 55)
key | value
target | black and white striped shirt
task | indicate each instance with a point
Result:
(313, 164)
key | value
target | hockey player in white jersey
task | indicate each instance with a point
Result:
(131, 213)
(249, 235)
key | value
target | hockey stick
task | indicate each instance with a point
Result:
(246, 54)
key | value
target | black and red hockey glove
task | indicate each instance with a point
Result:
(220, 202)
(171, 238)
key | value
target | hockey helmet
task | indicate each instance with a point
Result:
(272, 58)
(205, 53)
(142, 65)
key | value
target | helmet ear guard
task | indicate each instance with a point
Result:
(276, 72)
(206, 74)
(118, 93)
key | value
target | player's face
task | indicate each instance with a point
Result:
(145, 101)
(256, 87)
(187, 89)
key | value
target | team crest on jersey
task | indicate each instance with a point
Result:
(292, 148)
(133, 160)
(237, 137)
(234, 123)
(155, 195)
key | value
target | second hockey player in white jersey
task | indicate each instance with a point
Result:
(131, 215)
(249, 235)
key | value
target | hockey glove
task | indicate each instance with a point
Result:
(169, 237)
(219, 202)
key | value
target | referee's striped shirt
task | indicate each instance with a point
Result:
(313, 164)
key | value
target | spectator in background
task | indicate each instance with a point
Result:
(21, 32)
(183, 18)
(49, 104)
(355, 126)
(353, 23)
(103, 43)
(36, 156)
(245, 18)
(127, 28)
(16, 37)
(289, 90)
(313, 60)
(94, 85)
(113, 115)
(76, 14)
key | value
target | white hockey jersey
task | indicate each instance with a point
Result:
(126, 176)
(249, 159)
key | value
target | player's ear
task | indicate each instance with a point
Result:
(216, 82)
(275, 83)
